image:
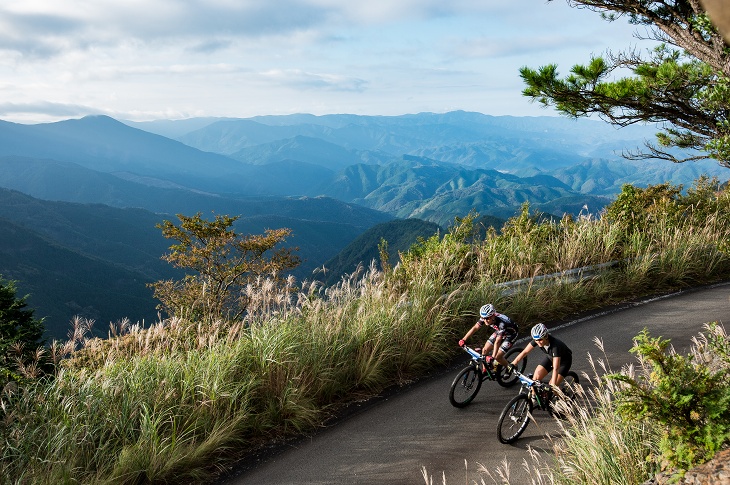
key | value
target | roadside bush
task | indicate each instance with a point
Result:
(687, 397)
(636, 209)
(21, 344)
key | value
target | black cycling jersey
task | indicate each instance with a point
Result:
(504, 327)
(555, 348)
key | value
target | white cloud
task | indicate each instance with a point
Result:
(46, 108)
(295, 78)
(247, 57)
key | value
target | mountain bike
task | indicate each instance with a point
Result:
(533, 395)
(467, 383)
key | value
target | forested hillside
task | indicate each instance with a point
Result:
(94, 260)
(97, 187)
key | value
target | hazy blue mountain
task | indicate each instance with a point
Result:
(436, 191)
(67, 181)
(313, 151)
(51, 180)
(61, 283)
(230, 136)
(127, 238)
(286, 177)
(506, 155)
(606, 177)
(321, 226)
(172, 128)
(312, 155)
(106, 145)
(425, 134)
(554, 147)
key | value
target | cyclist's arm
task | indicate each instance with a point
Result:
(473, 329)
(528, 349)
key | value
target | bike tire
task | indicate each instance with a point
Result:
(509, 379)
(465, 387)
(567, 387)
(514, 419)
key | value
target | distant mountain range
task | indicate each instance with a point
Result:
(90, 191)
(431, 166)
(393, 163)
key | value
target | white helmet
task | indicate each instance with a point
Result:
(539, 331)
(487, 310)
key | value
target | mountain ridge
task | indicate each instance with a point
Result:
(419, 170)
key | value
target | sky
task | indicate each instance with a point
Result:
(143, 60)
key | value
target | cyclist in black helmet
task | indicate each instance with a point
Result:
(557, 355)
(501, 340)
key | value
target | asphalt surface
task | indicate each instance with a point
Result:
(393, 439)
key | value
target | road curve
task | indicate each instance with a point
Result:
(389, 441)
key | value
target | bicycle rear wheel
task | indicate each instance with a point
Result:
(561, 408)
(569, 383)
(465, 387)
(506, 378)
(514, 419)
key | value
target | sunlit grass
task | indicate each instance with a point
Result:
(179, 400)
(593, 445)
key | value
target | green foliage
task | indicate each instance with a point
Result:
(637, 209)
(224, 262)
(456, 240)
(20, 332)
(384, 255)
(685, 86)
(534, 229)
(188, 392)
(690, 400)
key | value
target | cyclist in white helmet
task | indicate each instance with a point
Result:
(558, 356)
(501, 340)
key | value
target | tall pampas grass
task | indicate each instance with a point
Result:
(177, 400)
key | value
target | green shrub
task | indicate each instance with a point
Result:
(688, 398)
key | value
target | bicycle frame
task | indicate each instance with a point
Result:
(517, 414)
(469, 380)
(478, 361)
(535, 388)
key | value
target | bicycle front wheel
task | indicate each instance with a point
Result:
(465, 387)
(514, 419)
(506, 378)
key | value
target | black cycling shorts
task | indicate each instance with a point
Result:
(507, 342)
(565, 363)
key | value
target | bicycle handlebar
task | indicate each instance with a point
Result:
(472, 352)
(527, 380)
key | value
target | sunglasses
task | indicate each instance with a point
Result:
(541, 339)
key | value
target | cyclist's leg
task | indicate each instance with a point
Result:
(503, 349)
(565, 364)
(489, 345)
(542, 369)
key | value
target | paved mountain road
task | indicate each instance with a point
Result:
(391, 440)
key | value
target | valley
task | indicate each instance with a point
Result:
(84, 195)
